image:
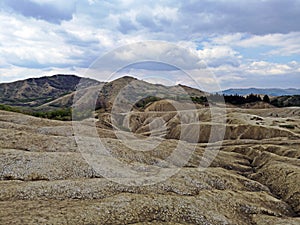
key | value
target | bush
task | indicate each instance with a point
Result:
(145, 101)
(199, 100)
(266, 99)
(288, 126)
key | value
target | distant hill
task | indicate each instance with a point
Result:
(52, 97)
(286, 101)
(40, 95)
(267, 91)
(34, 92)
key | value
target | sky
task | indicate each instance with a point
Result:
(254, 43)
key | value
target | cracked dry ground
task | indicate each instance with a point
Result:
(45, 180)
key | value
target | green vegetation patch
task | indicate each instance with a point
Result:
(64, 114)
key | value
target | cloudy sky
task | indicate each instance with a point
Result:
(243, 43)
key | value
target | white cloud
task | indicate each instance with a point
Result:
(267, 68)
(219, 55)
(10, 73)
(92, 2)
(203, 28)
(36, 43)
(257, 68)
(281, 44)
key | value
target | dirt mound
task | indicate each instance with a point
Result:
(169, 105)
(161, 119)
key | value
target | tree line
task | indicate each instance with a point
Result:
(231, 99)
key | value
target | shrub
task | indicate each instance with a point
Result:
(266, 99)
(288, 126)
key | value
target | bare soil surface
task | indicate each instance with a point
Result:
(254, 178)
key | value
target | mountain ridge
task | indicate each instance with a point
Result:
(36, 91)
(56, 92)
(262, 91)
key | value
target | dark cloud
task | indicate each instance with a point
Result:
(33, 64)
(45, 11)
(74, 40)
(206, 16)
(151, 65)
(153, 24)
(192, 18)
(256, 17)
(126, 25)
(145, 20)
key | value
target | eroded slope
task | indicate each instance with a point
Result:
(45, 179)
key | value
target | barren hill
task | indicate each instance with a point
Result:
(131, 90)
